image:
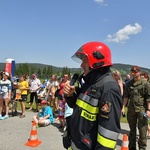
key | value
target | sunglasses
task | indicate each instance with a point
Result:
(134, 71)
(65, 76)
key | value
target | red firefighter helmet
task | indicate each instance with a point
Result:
(98, 54)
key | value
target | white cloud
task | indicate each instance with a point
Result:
(123, 34)
(101, 2)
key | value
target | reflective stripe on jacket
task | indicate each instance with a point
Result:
(92, 129)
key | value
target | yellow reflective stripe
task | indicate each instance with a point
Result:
(88, 116)
(70, 148)
(88, 99)
(106, 142)
(108, 133)
(87, 107)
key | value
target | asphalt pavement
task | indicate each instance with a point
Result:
(15, 132)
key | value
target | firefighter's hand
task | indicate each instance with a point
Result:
(68, 90)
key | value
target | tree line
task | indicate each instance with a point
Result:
(42, 72)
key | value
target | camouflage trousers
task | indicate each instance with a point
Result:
(136, 119)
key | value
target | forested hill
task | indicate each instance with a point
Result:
(123, 68)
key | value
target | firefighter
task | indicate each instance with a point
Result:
(95, 122)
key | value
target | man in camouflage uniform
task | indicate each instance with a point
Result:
(137, 91)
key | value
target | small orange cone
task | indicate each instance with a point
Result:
(33, 141)
(125, 143)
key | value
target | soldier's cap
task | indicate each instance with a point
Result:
(135, 69)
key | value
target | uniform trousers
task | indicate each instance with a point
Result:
(136, 119)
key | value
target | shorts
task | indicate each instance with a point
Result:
(60, 117)
(32, 96)
(4, 96)
(39, 101)
(47, 122)
(23, 98)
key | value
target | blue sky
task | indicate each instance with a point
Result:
(50, 31)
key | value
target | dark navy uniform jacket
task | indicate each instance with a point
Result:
(95, 122)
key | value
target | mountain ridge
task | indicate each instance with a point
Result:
(123, 68)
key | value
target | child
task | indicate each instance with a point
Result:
(41, 93)
(45, 115)
(13, 102)
(61, 110)
(67, 116)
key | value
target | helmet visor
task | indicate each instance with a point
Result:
(77, 57)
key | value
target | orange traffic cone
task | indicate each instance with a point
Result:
(125, 143)
(33, 141)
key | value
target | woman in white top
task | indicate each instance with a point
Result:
(5, 95)
(35, 84)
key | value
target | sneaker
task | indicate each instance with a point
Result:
(3, 113)
(22, 116)
(36, 110)
(65, 127)
(1, 117)
(60, 127)
(15, 113)
(4, 117)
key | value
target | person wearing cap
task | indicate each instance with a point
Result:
(41, 93)
(45, 115)
(137, 95)
(5, 95)
(96, 103)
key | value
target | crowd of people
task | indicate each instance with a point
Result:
(92, 109)
(47, 95)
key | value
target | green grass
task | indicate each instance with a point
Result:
(123, 119)
(27, 105)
